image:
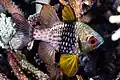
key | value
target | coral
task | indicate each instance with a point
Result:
(7, 30)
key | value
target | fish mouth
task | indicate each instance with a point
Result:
(99, 38)
(100, 42)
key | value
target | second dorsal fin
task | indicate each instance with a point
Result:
(68, 13)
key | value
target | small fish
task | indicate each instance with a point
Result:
(66, 37)
(69, 36)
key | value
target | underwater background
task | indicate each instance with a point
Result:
(102, 63)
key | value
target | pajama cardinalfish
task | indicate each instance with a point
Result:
(68, 36)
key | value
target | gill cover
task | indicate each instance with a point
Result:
(69, 64)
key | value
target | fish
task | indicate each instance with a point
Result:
(69, 36)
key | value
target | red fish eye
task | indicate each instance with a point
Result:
(92, 41)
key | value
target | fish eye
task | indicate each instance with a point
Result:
(92, 41)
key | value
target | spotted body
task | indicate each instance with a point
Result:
(69, 37)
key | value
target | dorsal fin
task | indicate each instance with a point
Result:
(68, 13)
(48, 14)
